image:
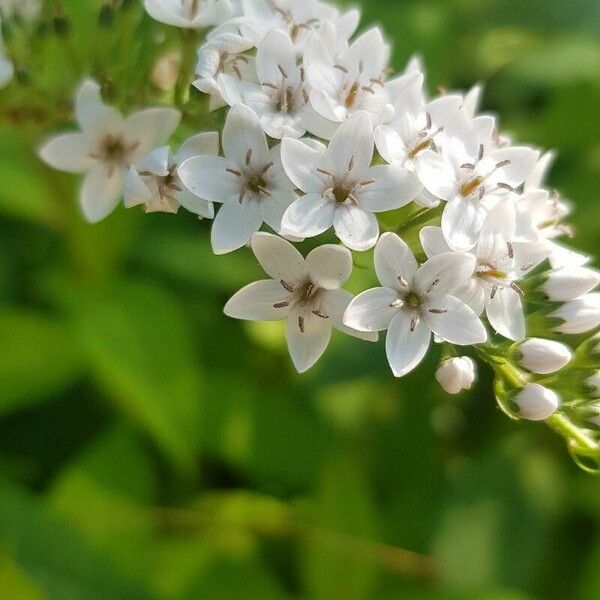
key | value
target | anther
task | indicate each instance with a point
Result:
(527, 267)
(428, 117)
(319, 314)
(266, 168)
(503, 163)
(287, 286)
(264, 191)
(367, 182)
(234, 172)
(398, 303)
(438, 311)
(494, 292)
(433, 284)
(413, 323)
(282, 71)
(402, 281)
(365, 88)
(301, 324)
(270, 85)
(505, 186)
(469, 166)
(516, 288)
(324, 172)
(341, 68)
(511, 251)
(351, 163)
(281, 305)
(481, 152)
(248, 157)
(242, 196)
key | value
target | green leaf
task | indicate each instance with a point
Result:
(39, 356)
(54, 557)
(142, 354)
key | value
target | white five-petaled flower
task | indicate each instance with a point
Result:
(413, 302)
(281, 97)
(470, 178)
(106, 147)
(223, 54)
(189, 14)
(306, 293)
(249, 181)
(341, 187)
(500, 263)
(295, 17)
(346, 84)
(154, 181)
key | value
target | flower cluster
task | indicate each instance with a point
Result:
(318, 136)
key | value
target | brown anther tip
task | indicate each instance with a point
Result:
(248, 157)
(287, 286)
(301, 324)
(282, 71)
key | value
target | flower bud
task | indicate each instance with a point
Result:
(569, 283)
(166, 71)
(456, 374)
(579, 315)
(537, 403)
(543, 356)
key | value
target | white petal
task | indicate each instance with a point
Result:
(243, 132)
(372, 310)
(352, 146)
(473, 295)
(234, 225)
(334, 304)
(256, 302)
(522, 161)
(390, 144)
(444, 273)
(537, 176)
(432, 241)
(279, 259)
(394, 261)
(406, 343)
(394, 187)
(436, 174)
(69, 152)
(135, 190)
(501, 220)
(100, 193)
(91, 113)
(461, 223)
(206, 143)
(358, 229)
(157, 162)
(505, 313)
(273, 208)
(528, 255)
(329, 266)
(308, 344)
(458, 325)
(151, 127)
(198, 206)
(275, 57)
(308, 216)
(301, 162)
(207, 178)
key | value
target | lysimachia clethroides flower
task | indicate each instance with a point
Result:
(340, 186)
(106, 147)
(307, 294)
(248, 181)
(189, 14)
(415, 302)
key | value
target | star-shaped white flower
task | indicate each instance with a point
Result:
(249, 181)
(306, 294)
(353, 81)
(189, 14)
(154, 181)
(297, 18)
(470, 178)
(413, 302)
(341, 187)
(500, 264)
(223, 53)
(106, 147)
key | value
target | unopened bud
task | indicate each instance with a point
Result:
(543, 356)
(166, 71)
(456, 374)
(569, 283)
(536, 402)
(593, 383)
(579, 315)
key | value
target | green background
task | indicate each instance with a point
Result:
(152, 449)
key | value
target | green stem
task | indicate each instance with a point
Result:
(190, 40)
(421, 218)
(572, 433)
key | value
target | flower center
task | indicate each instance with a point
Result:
(466, 189)
(256, 183)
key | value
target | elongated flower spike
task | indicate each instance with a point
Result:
(319, 134)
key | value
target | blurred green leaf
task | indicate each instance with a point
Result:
(142, 353)
(39, 356)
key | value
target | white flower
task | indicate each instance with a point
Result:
(249, 181)
(456, 374)
(543, 356)
(106, 147)
(470, 178)
(306, 293)
(569, 283)
(340, 186)
(537, 403)
(281, 97)
(7, 69)
(594, 383)
(500, 264)
(579, 315)
(416, 126)
(189, 14)
(343, 85)
(296, 17)
(154, 181)
(223, 54)
(414, 302)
